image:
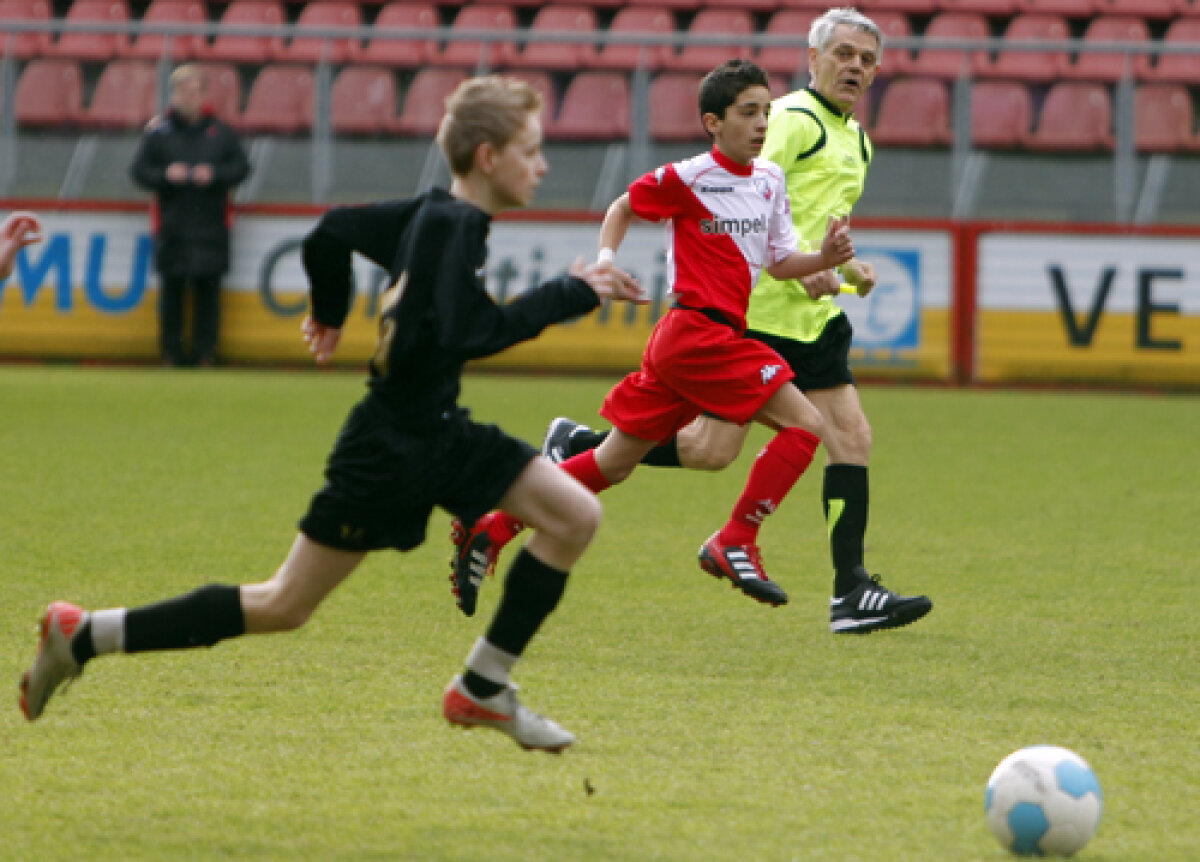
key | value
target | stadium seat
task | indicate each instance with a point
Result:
(562, 56)
(124, 97)
(223, 90)
(1153, 9)
(993, 8)
(1041, 67)
(787, 60)
(1076, 118)
(713, 22)
(151, 46)
(49, 94)
(642, 20)
(947, 63)
(677, 5)
(544, 84)
(897, 62)
(1110, 67)
(232, 47)
(595, 107)
(469, 54)
(363, 101)
(280, 102)
(1001, 114)
(748, 5)
(1066, 8)
(908, 7)
(1179, 68)
(93, 47)
(914, 112)
(25, 46)
(425, 101)
(325, 15)
(1163, 119)
(674, 113)
(402, 15)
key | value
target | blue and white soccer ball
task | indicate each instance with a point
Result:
(1043, 801)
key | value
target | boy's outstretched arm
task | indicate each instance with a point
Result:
(836, 249)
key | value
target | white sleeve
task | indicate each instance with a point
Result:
(781, 235)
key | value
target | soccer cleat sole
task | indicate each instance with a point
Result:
(900, 618)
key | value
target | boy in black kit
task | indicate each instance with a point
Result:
(407, 446)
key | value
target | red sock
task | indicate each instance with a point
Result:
(502, 527)
(775, 471)
(583, 467)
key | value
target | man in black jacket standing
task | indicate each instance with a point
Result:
(190, 160)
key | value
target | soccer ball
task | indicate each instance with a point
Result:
(1043, 801)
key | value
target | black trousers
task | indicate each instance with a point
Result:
(206, 310)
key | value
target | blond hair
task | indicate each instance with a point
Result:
(489, 109)
(184, 73)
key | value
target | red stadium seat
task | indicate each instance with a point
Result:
(151, 46)
(232, 47)
(595, 107)
(24, 46)
(897, 62)
(1110, 67)
(425, 101)
(1164, 118)
(542, 82)
(713, 22)
(93, 47)
(1001, 114)
(49, 93)
(402, 15)
(1179, 68)
(124, 97)
(1076, 118)
(325, 15)
(280, 102)
(675, 109)
(642, 20)
(914, 112)
(787, 60)
(678, 5)
(562, 56)
(1066, 8)
(947, 63)
(1154, 9)
(467, 54)
(908, 7)
(223, 90)
(994, 8)
(1041, 67)
(363, 101)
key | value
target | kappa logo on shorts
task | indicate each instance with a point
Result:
(769, 371)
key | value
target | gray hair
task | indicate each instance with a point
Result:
(822, 29)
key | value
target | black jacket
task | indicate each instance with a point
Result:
(437, 314)
(190, 223)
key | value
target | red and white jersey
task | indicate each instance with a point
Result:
(725, 222)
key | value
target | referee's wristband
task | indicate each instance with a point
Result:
(605, 255)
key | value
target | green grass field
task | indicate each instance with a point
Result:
(1056, 534)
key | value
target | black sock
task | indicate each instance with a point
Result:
(200, 618)
(845, 498)
(481, 686)
(531, 591)
(663, 455)
(82, 648)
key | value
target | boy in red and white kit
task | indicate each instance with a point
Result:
(727, 217)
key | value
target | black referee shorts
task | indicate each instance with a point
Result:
(820, 364)
(382, 482)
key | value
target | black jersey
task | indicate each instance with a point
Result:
(436, 315)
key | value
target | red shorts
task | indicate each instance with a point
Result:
(693, 365)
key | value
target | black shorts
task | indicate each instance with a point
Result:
(820, 364)
(382, 482)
